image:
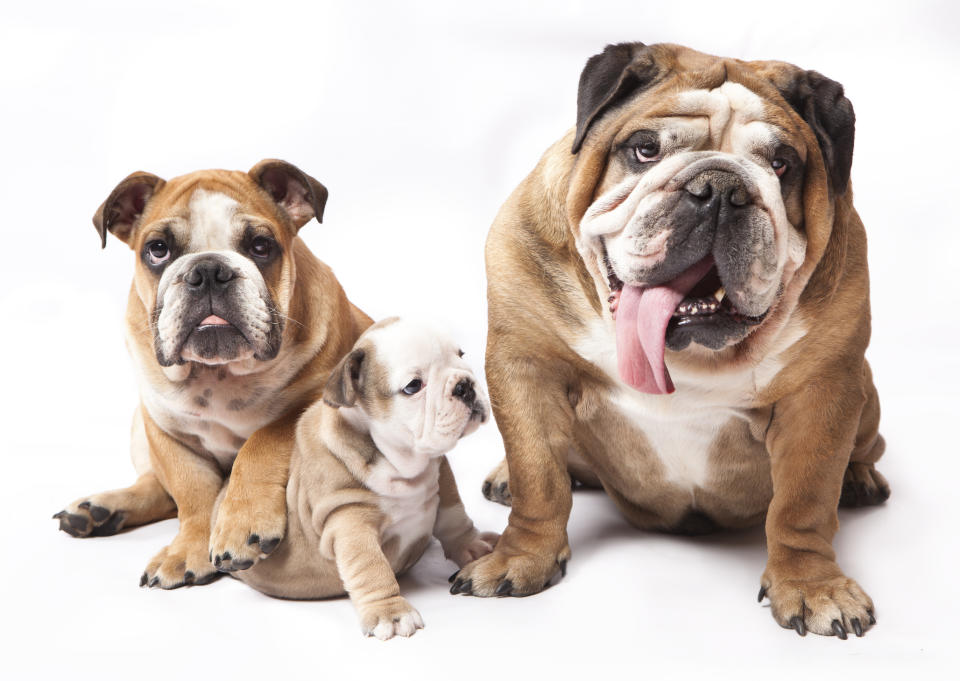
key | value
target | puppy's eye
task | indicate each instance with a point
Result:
(158, 252)
(779, 166)
(647, 151)
(413, 387)
(261, 247)
(459, 353)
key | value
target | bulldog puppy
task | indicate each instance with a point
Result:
(678, 312)
(233, 326)
(369, 479)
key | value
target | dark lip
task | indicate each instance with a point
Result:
(726, 311)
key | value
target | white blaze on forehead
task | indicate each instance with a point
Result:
(735, 115)
(211, 218)
(405, 348)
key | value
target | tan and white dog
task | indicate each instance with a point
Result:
(678, 312)
(369, 479)
(233, 326)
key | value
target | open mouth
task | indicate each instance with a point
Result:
(691, 307)
(707, 301)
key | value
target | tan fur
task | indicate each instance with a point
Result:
(340, 536)
(248, 408)
(804, 410)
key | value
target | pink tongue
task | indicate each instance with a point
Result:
(642, 318)
(215, 321)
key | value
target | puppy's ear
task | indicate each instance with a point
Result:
(822, 104)
(608, 78)
(346, 380)
(126, 203)
(300, 196)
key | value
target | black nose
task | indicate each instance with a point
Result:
(209, 273)
(709, 186)
(464, 391)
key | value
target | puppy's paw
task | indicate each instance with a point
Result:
(247, 531)
(90, 517)
(185, 562)
(391, 617)
(831, 606)
(509, 572)
(496, 486)
(863, 485)
(481, 544)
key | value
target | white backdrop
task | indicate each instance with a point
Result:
(420, 118)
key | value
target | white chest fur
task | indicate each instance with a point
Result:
(410, 504)
(682, 427)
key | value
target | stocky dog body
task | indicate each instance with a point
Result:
(369, 479)
(678, 313)
(233, 326)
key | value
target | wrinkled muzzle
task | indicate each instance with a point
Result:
(692, 250)
(214, 308)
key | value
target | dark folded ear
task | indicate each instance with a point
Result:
(346, 380)
(126, 203)
(610, 77)
(300, 196)
(822, 104)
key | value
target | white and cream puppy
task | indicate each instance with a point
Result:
(369, 480)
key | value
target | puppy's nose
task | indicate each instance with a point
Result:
(464, 391)
(209, 273)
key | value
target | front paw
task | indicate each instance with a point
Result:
(480, 545)
(511, 571)
(247, 531)
(90, 517)
(830, 605)
(184, 562)
(390, 617)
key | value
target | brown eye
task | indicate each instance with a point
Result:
(647, 151)
(261, 247)
(779, 166)
(158, 252)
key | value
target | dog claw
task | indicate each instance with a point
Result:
(504, 588)
(839, 630)
(189, 577)
(253, 539)
(154, 581)
(857, 627)
(873, 620)
(453, 577)
(461, 586)
(143, 579)
(563, 568)
(762, 594)
(797, 623)
(268, 545)
(486, 490)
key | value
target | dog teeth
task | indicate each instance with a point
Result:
(720, 293)
(697, 306)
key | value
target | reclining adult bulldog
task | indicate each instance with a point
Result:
(233, 326)
(678, 312)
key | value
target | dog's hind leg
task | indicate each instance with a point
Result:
(106, 513)
(863, 485)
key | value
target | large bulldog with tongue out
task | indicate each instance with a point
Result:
(678, 312)
(233, 326)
